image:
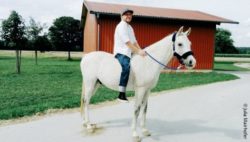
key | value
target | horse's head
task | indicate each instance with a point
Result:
(182, 48)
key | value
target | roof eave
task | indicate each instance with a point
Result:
(179, 19)
(230, 22)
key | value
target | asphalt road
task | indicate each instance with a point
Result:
(207, 113)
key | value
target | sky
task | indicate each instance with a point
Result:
(45, 11)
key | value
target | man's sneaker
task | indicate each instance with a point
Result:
(122, 97)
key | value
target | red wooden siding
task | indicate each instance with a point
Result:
(148, 32)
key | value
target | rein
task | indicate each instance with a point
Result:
(179, 57)
(165, 67)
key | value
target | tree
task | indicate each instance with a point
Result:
(65, 34)
(42, 43)
(1, 44)
(224, 42)
(13, 34)
(33, 32)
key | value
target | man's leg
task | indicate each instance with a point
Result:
(125, 63)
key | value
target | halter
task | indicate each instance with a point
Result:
(178, 56)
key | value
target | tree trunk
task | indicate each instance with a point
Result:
(20, 59)
(36, 56)
(17, 62)
(69, 58)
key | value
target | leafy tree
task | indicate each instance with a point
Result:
(33, 31)
(65, 34)
(2, 41)
(1, 44)
(244, 50)
(42, 43)
(13, 34)
(224, 42)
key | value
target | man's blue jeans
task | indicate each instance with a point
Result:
(125, 63)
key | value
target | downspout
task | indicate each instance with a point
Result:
(98, 31)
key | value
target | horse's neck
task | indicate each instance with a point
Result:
(162, 50)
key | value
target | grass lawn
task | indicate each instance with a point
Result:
(56, 83)
(227, 66)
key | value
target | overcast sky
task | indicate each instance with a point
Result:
(45, 11)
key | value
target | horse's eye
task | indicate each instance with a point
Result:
(180, 44)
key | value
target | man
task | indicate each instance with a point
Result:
(124, 44)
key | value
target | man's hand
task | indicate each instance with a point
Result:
(136, 49)
(142, 53)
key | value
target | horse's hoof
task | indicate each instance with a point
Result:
(94, 126)
(90, 125)
(90, 130)
(146, 133)
(136, 139)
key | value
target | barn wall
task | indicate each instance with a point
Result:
(150, 31)
(90, 33)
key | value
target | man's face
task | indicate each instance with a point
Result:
(127, 17)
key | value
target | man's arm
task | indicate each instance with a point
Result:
(123, 33)
(137, 45)
(143, 53)
(136, 48)
(133, 47)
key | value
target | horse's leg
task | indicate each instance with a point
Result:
(82, 103)
(144, 112)
(90, 87)
(140, 92)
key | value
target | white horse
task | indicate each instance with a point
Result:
(101, 67)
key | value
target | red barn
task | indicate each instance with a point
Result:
(150, 25)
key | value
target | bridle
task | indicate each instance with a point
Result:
(178, 56)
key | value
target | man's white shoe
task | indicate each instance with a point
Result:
(123, 101)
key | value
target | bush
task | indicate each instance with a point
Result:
(224, 42)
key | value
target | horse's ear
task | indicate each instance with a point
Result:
(188, 32)
(180, 30)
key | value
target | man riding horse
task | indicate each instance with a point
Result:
(124, 44)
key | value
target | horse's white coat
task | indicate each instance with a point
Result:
(144, 74)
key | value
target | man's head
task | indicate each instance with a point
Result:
(126, 15)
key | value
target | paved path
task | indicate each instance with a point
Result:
(243, 65)
(208, 113)
(232, 59)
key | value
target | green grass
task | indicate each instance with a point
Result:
(56, 83)
(227, 66)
